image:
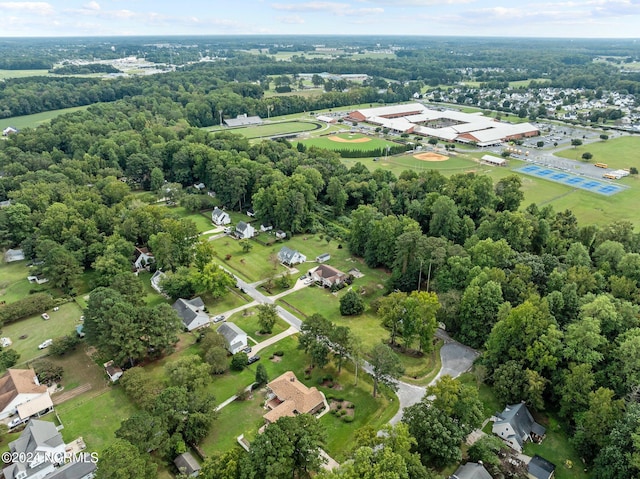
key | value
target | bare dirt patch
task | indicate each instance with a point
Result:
(275, 359)
(343, 140)
(430, 157)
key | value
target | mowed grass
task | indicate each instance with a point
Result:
(202, 220)
(350, 142)
(410, 162)
(95, 418)
(280, 128)
(32, 121)
(80, 369)
(622, 152)
(252, 266)
(62, 322)
(4, 74)
(13, 281)
(247, 320)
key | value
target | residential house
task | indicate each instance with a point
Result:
(37, 407)
(187, 464)
(323, 258)
(199, 186)
(18, 386)
(327, 276)
(540, 468)
(192, 312)
(471, 470)
(113, 371)
(38, 279)
(156, 279)
(280, 235)
(39, 450)
(234, 337)
(143, 258)
(515, 426)
(290, 256)
(245, 230)
(288, 397)
(13, 255)
(251, 213)
(9, 131)
(220, 217)
(77, 469)
(264, 228)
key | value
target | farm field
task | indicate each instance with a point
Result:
(32, 121)
(36, 330)
(271, 129)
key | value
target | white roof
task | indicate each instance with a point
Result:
(34, 406)
(494, 159)
(326, 119)
(392, 110)
(398, 124)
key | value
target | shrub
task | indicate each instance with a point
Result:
(47, 372)
(339, 406)
(33, 304)
(64, 344)
(239, 361)
(279, 353)
(348, 418)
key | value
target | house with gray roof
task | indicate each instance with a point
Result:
(290, 256)
(234, 337)
(471, 470)
(220, 217)
(39, 446)
(540, 468)
(79, 468)
(515, 425)
(245, 230)
(13, 255)
(192, 312)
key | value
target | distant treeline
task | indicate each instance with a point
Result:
(84, 69)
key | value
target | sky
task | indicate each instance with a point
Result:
(542, 18)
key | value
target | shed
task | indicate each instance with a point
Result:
(187, 464)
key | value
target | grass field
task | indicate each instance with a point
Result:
(95, 418)
(454, 163)
(13, 281)
(252, 266)
(248, 322)
(619, 152)
(4, 74)
(32, 121)
(202, 220)
(36, 329)
(280, 128)
(352, 141)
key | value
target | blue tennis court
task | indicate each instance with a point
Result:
(570, 179)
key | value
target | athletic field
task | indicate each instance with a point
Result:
(273, 129)
(617, 153)
(347, 141)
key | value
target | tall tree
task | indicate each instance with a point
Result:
(122, 460)
(386, 367)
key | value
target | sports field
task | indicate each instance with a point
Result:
(22, 73)
(441, 163)
(272, 129)
(347, 141)
(623, 152)
(32, 121)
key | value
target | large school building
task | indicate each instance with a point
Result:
(446, 125)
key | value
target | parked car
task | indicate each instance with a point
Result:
(247, 350)
(45, 316)
(15, 422)
(45, 344)
(219, 318)
(253, 359)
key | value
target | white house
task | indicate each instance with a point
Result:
(290, 256)
(39, 449)
(143, 258)
(156, 279)
(220, 217)
(192, 312)
(245, 230)
(13, 255)
(17, 387)
(9, 131)
(323, 258)
(265, 228)
(234, 337)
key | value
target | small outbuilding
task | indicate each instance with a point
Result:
(540, 468)
(13, 255)
(113, 371)
(323, 258)
(187, 464)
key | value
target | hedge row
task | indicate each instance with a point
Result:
(393, 150)
(36, 303)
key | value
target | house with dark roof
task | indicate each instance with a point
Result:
(18, 386)
(327, 276)
(515, 426)
(39, 450)
(114, 372)
(471, 470)
(192, 312)
(234, 337)
(187, 464)
(220, 217)
(290, 256)
(289, 397)
(142, 258)
(540, 468)
(84, 468)
(280, 234)
(245, 230)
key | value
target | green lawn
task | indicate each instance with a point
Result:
(4, 74)
(36, 329)
(556, 448)
(248, 322)
(619, 152)
(13, 281)
(96, 419)
(328, 144)
(252, 266)
(32, 121)
(277, 128)
(454, 163)
(202, 220)
(80, 369)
